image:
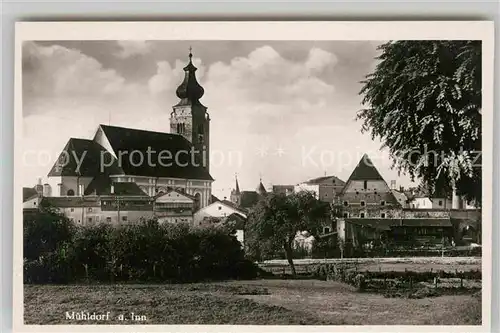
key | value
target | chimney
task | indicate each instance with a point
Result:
(401, 189)
(46, 190)
(39, 187)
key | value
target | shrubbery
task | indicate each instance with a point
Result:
(58, 252)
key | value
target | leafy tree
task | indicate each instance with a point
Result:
(45, 231)
(278, 218)
(424, 102)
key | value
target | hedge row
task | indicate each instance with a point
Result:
(342, 272)
(144, 252)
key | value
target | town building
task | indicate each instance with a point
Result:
(325, 188)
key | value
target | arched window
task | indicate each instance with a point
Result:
(70, 193)
(197, 203)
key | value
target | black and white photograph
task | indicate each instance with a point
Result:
(254, 181)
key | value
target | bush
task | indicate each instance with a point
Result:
(141, 253)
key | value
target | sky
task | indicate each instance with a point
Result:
(281, 111)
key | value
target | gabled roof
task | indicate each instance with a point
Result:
(175, 160)
(29, 193)
(333, 180)
(81, 157)
(365, 170)
(234, 206)
(184, 194)
(102, 186)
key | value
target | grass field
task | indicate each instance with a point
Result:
(278, 302)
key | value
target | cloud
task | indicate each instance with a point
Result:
(58, 72)
(168, 78)
(130, 48)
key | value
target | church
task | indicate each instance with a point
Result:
(144, 165)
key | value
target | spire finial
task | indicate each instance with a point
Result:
(190, 53)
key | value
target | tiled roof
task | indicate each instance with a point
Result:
(29, 193)
(102, 186)
(234, 206)
(68, 202)
(436, 222)
(90, 155)
(365, 170)
(333, 180)
(124, 141)
(382, 224)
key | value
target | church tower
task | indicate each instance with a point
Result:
(235, 193)
(190, 118)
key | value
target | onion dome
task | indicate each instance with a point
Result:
(190, 90)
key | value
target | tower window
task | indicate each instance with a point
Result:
(363, 203)
(70, 193)
(382, 203)
(365, 184)
(346, 215)
(362, 215)
(346, 203)
(382, 215)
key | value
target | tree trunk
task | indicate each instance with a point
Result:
(289, 257)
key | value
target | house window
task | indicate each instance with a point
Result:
(220, 207)
(365, 184)
(382, 203)
(326, 230)
(363, 203)
(71, 209)
(362, 215)
(382, 215)
(70, 193)
(346, 215)
(440, 202)
(124, 218)
(90, 209)
(357, 192)
(89, 220)
(108, 219)
(346, 203)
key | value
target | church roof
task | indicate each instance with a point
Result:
(365, 170)
(261, 189)
(82, 157)
(166, 153)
